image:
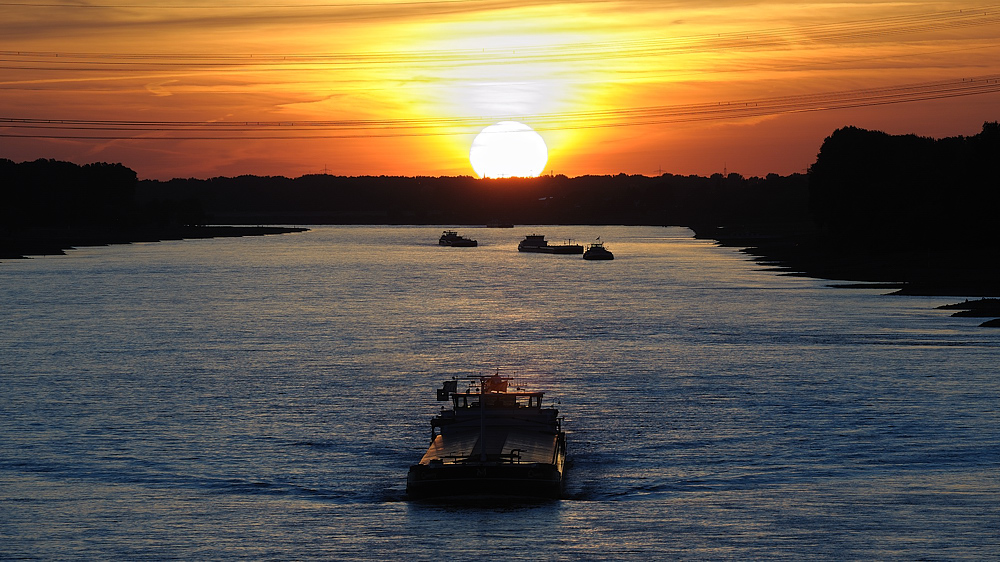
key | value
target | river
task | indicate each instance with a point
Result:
(263, 398)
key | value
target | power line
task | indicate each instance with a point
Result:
(88, 129)
(240, 6)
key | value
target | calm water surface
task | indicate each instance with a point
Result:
(263, 397)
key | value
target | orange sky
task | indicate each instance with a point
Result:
(181, 88)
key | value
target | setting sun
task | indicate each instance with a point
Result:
(184, 89)
(508, 150)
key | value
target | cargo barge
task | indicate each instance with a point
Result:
(538, 243)
(494, 442)
(452, 238)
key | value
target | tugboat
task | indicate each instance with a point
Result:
(493, 443)
(451, 238)
(597, 251)
(537, 243)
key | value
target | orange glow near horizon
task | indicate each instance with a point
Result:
(180, 89)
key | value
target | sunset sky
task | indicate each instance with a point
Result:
(184, 88)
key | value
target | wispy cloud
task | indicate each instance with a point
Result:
(470, 59)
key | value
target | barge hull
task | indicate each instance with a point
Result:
(493, 481)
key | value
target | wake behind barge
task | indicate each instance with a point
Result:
(493, 442)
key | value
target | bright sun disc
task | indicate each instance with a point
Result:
(508, 150)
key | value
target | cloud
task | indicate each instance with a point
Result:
(159, 88)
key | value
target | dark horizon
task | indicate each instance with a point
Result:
(873, 207)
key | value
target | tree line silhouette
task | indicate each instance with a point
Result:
(621, 199)
(47, 206)
(908, 208)
(889, 189)
(873, 206)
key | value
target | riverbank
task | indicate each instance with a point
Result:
(42, 241)
(900, 269)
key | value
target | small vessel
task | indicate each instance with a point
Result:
(494, 442)
(537, 243)
(451, 238)
(597, 251)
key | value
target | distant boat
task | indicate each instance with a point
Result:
(451, 238)
(498, 224)
(597, 251)
(537, 243)
(494, 442)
